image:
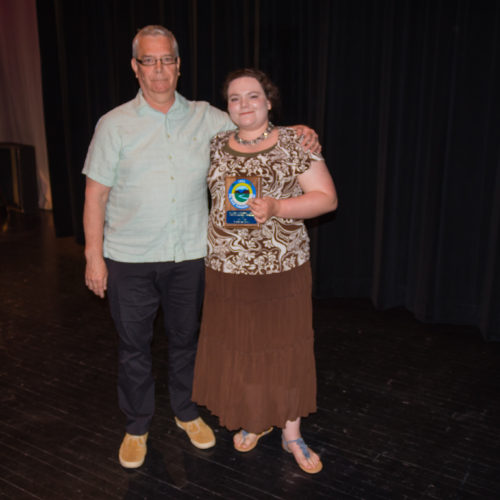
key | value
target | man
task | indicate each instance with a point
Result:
(145, 221)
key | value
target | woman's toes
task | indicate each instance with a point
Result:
(238, 439)
(308, 463)
(244, 442)
(313, 461)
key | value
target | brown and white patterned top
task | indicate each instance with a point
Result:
(279, 244)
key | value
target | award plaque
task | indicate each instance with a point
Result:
(238, 191)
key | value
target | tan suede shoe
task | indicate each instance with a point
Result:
(199, 433)
(133, 451)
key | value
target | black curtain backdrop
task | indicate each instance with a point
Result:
(404, 95)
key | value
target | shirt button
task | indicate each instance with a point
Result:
(173, 200)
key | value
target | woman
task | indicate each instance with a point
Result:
(255, 365)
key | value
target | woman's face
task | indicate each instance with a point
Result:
(247, 103)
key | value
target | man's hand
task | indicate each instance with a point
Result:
(308, 138)
(96, 272)
(96, 276)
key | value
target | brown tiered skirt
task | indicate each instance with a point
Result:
(255, 363)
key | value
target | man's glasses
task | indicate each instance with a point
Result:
(151, 61)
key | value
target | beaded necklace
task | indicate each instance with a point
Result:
(261, 137)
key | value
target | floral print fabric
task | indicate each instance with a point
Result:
(279, 244)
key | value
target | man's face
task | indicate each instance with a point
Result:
(158, 82)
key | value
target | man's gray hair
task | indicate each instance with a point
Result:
(154, 30)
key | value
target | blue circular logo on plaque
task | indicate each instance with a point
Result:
(240, 191)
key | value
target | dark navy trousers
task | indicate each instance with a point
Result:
(135, 293)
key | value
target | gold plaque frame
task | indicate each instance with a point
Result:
(237, 191)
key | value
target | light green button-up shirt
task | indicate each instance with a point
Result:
(156, 165)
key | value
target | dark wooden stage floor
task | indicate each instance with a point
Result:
(406, 410)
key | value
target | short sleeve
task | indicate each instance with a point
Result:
(316, 157)
(220, 121)
(104, 153)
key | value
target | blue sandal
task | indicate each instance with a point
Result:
(244, 434)
(305, 451)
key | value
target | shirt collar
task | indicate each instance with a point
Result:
(177, 110)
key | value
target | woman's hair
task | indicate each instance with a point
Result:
(154, 30)
(271, 91)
